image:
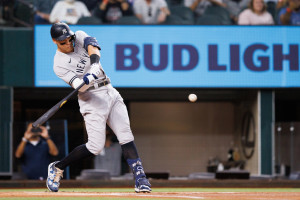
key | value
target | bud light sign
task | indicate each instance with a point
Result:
(185, 56)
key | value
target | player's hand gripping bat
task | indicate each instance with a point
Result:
(55, 108)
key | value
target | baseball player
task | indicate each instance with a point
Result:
(77, 60)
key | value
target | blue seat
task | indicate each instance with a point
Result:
(208, 20)
(89, 20)
(185, 13)
(220, 12)
(129, 20)
(173, 20)
(271, 8)
(23, 12)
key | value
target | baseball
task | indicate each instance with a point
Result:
(192, 97)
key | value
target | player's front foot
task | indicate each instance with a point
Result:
(141, 182)
(142, 185)
(54, 176)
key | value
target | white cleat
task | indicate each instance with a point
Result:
(54, 176)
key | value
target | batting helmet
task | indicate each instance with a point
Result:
(60, 31)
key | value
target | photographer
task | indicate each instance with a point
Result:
(34, 151)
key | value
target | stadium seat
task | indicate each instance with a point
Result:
(128, 20)
(271, 8)
(219, 12)
(173, 20)
(175, 3)
(96, 12)
(208, 20)
(23, 12)
(185, 13)
(89, 20)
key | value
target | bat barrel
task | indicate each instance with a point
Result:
(55, 108)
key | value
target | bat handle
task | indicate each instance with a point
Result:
(80, 86)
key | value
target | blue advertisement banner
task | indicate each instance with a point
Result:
(185, 56)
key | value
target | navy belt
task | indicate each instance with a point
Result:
(103, 83)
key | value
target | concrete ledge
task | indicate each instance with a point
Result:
(156, 183)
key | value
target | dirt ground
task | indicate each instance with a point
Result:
(167, 195)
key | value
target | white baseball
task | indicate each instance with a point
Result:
(192, 97)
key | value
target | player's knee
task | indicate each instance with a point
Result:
(124, 134)
(126, 138)
(94, 148)
(98, 152)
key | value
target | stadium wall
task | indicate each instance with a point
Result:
(19, 73)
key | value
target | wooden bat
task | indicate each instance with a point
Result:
(55, 108)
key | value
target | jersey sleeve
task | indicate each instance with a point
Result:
(65, 74)
(54, 15)
(162, 4)
(188, 3)
(270, 19)
(80, 36)
(84, 11)
(243, 18)
(137, 7)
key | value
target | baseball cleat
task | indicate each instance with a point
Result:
(54, 176)
(141, 182)
(142, 185)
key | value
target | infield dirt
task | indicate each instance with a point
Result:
(165, 195)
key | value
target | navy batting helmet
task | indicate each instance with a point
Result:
(60, 31)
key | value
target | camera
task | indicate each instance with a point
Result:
(36, 130)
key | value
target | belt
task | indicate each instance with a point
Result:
(103, 83)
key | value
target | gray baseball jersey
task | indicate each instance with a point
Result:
(98, 105)
(76, 64)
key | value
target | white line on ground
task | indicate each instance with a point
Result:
(115, 194)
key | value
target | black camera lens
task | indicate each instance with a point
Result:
(36, 130)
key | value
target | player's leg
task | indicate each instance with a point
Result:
(95, 121)
(130, 154)
(118, 121)
(56, 169)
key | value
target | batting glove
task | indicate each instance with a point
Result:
(95, 69)
(89, 78)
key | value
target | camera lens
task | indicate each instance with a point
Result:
(36, 130)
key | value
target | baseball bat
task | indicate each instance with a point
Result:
(55, 108)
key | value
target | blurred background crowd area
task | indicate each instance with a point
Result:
(15, 13)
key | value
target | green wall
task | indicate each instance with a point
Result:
(6, 102)
(16, 57)
(267, 112)
(16, 70)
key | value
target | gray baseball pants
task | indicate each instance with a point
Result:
(98, 107)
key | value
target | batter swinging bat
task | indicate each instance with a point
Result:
(55, 108)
